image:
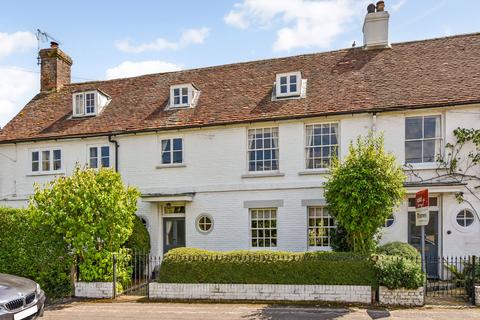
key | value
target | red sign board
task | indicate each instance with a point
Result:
(421, 199)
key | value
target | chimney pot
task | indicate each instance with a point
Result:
(55, 70)
(380, 6)
(371, 8)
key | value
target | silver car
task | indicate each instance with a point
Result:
(20, 298)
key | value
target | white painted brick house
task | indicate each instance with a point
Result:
(234, 157)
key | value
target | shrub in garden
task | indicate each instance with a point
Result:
(94, 212)
(400, 249)
(396, 272)
(29, 249)
(363, 190)
(188, 265)
(139, 240)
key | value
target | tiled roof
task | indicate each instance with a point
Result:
(416, 74)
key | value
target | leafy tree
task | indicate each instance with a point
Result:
(94, 211)
(363, 190)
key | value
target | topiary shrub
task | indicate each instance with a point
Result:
(30, 249)
(187, 265)
(396, 272)
(400, 249)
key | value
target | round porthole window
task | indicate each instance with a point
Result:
(204, 223)
(465, 218)
(389, 222)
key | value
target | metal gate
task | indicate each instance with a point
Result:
(455, 276)
(132, 275)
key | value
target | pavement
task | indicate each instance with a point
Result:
(135, 310)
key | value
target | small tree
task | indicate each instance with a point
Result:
(93, 211)
(363, 190)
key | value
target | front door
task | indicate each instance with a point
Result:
(431, 240)
(173, 233)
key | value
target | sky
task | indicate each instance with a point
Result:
(113, 39)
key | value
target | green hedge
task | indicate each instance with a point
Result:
(187, 265)
(33, 251)
(400, 249)
(396, 272)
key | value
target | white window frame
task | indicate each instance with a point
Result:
(51, 161)
(199, 223)
(465, 219)
(84, 108)
(99, 156)
(307, 146)
(189, 88)
(171, 151)
(440, 139)
(391, 218)
(289, 93)
(263, 149)
(328, 228)
(264, 229)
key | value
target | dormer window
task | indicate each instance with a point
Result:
(183, 96)
(89, 103)
(288, 84)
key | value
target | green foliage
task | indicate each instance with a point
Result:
(31, 250)
(400, 249)
(363, 190)
(396, 272)
(139, 240)
(188, 265)
(93, 211)
(338, 239)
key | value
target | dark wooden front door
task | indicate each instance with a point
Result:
(173, 233)
(431, 241)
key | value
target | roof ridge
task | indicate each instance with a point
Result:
(266, 59)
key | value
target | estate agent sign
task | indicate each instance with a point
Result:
(421, 204)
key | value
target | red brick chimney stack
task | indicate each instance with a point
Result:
(55, 68)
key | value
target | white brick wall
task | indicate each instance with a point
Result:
(261, 292)
(94, 290)
(402, 297)
(477, 296)
(216, 159)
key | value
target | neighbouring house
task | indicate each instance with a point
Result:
(234, 156)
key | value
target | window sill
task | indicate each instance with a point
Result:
(263, 175)
(173, 165)
(421, 166)
(313, 172)
(314, 249)
(52, 173)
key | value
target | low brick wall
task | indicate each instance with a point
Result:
(264, 292)
(401, 297)
(94, 290)
(477, 296)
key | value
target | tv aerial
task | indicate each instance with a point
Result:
(43, 37)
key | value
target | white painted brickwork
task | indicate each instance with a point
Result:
(265, 292)
(94, 290)
(402, 297)
(477, 296)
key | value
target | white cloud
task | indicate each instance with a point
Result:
(17, 87)
(397, 6)
(131, 69)
(303, 23)
(19, 41)
(188, 37)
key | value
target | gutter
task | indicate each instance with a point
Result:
(115, 142)
(256, 120)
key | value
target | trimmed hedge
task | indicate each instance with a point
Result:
(188, 265)
(400, 249)
(395, 272)
(33, 251)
